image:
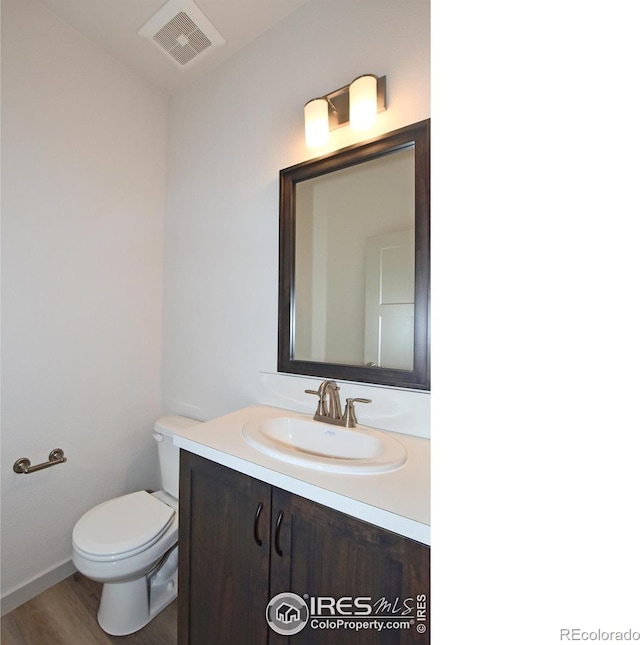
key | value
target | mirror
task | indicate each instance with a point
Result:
(354, 263)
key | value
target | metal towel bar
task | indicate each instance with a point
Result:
(23, 466)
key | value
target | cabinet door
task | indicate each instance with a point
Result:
(330, 554)
(223, 570)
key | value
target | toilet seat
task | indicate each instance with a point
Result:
(122, 527)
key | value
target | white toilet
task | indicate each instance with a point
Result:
(130, 544)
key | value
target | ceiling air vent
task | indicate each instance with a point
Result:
(182, 31)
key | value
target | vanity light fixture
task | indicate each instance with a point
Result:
(316, 122)
(357, 103)
(363, 102)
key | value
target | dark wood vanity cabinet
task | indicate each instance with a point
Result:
(223, 574)
(243, 541)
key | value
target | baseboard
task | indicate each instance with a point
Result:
(35, 586)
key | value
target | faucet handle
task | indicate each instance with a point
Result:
(349, 416)
(321, 403)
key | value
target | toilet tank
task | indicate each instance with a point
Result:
(169, 454)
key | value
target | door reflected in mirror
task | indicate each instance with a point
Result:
(354, 263)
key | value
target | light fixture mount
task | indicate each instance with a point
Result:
(339, 103)
(357, 103)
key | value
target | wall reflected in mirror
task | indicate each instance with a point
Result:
(355, 264)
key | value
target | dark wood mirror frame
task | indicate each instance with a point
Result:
(417, 135)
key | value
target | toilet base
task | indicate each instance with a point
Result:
(126, 607)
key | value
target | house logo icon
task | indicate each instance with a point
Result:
(287, 613)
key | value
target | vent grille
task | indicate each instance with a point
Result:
(182, 39)
(182, 31)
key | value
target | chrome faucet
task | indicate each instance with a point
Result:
(332, 413)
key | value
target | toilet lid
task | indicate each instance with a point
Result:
(122, 524)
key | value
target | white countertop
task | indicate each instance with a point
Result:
(398, 500)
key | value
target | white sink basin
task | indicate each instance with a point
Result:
(302, 441)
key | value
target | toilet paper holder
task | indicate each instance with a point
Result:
(23, 465)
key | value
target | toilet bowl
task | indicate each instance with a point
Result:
(130, 544)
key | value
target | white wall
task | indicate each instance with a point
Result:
(83, 196)
(229, 137)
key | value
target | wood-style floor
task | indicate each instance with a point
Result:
(66, 615)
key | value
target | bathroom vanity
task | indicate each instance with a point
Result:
(274, 504)
(253, 526)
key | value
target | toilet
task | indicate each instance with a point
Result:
(130, 544)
